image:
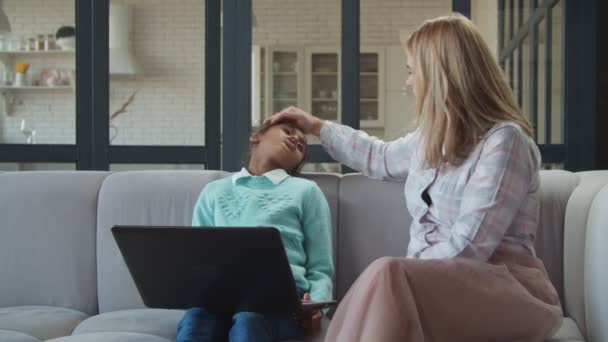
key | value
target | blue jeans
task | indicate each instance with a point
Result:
(198, 325)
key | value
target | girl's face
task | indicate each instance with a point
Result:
(411, 79)
(284, 144)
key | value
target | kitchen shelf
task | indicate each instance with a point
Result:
(36, 52)
(3, 87)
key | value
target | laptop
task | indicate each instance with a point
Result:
(223, 270)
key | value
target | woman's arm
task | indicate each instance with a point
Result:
(507, 170)
(369, 155)
(316, 224)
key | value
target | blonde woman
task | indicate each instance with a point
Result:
(472, 189)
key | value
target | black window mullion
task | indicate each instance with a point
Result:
(236, 73)
(350, 82)
(501, 29)
(533, 91)
(213, 12)
(580, 83)
(511, 19)
(84, 90)
(548, 73)
(100, 85)
(462, 6)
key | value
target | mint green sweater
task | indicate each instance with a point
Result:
(295, 206)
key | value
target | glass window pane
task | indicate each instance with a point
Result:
(37, 63)
(485, 16)
(157, 59)
(296, 62)
(557, 119)
(527, 10)
(388, 109)
(37, 166)
(134, 167)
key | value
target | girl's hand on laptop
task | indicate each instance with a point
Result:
(309, 320)
(306, 122)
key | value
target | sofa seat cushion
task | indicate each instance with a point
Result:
(15, 336)
(41, 322)
(111, 337)
(157, 322)
(568, 332)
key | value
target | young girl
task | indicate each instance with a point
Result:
(472, 189)
(266, 194)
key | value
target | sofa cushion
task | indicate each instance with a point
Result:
(41, 322)
(158, 322)
(555, 189)
(373, 222)
(596, 272)
(575, 232)
(47, 239)
(148, 322)
(139, 198)
(111, 337)
(569, 331)
(15, 336)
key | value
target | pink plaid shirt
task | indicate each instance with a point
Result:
(492, 198)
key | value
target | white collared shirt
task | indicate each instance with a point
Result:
(276, 176)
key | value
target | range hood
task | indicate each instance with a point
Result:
(122, 58)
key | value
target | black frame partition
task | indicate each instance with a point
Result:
(228, 72)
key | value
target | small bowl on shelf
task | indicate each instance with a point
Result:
(67, 43)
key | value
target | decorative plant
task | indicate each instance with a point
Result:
(65, 32)
(123, 108)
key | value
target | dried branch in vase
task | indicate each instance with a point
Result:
(123, 108)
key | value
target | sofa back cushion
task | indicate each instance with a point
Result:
(555, 190)
(47, 239)
(139, 198)
(154, 198)
(374, 222)
(576, 239)
(596, 272)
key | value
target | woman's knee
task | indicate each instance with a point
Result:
(386, 264)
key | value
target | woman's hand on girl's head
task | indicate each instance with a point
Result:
(306, 122)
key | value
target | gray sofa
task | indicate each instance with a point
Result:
(62, 277)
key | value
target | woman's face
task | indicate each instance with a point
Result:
(284, 144)
(411, 80)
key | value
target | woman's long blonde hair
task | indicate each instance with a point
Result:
(461, 91)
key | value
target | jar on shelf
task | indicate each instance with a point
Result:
(40, 42)
(31, 44)
(49, 42)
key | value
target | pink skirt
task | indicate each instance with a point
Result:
(509, 298)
